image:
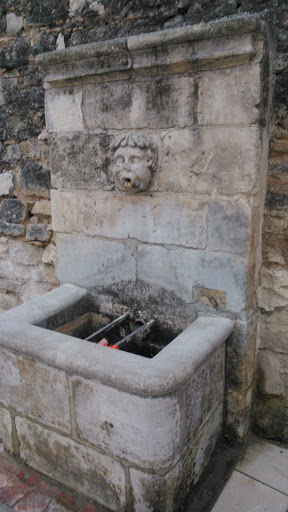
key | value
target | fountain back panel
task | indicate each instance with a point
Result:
(159, 147)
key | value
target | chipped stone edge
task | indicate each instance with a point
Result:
(21, 330)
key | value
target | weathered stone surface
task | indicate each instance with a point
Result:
(42, 208)
(13, 23)
(7, 183)
(8, 300)
(241, 352)
(11, 229)
(180, 269)
(13, 152)
(49, 255)
(73, 464)
(226, 98)
(166, 493)
(15, 55)
(6, 429)
(81, 161)
(34, 289)
(155, 492)
(47, 12)
(144, 430)
(37, 232)
(94, 262)
(63, 110)
(24, 253)
(202, 393)
(228, 226)
(23, 273)
(156, 103)
(274, 330)
(273, 291)
(272, 373)
(36, 390)
(238, 414)
(182, 220)
(12, 210)
(35, 180)
(10, 285)
(210, 160)
(271, 417)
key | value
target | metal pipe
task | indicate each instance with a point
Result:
(107, 327)
(138, 333)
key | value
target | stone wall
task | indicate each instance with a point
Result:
(27, 245)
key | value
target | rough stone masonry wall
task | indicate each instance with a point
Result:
(27, 249)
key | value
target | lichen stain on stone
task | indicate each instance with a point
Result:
(271, 417)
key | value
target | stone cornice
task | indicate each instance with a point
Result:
(229, 42)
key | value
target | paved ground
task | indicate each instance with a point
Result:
(259, 483)
(24, 490)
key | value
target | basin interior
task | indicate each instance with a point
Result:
(148, 344)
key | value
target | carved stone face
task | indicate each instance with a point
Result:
(133, 168)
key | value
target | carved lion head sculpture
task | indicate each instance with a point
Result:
(135, 161)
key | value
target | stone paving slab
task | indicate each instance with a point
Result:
(244, 494)
(267, 463)
(25, 490)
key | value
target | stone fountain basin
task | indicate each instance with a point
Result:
(120, 428)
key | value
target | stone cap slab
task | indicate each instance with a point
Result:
(163, 374)
(223, 43)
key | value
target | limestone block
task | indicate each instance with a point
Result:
(34, 180)
(63, 110)
(228, 226)
(177, 270)
(154, 103)
(94, 262)
(13, 24)
(237, 413)
(75, 5)
(42, 207)
(81, 161)
(7, 183)
(13, 152)
(229, 96)
(35, 390)
(65, 211)
(271, 417)
(12, 210)
(34, 289)
(80, 467)
(202, 393)
(167, 219)
(143, 430)
(14, 270)
(49, 255)
(6, 429)
(210, 160)
(273, 292)
(272, 368)
(37, 232)
(155, 492)
(241, 354)
(274, 330)
(165, 493)
(8, 300)
(6, 228)
(24, 253)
